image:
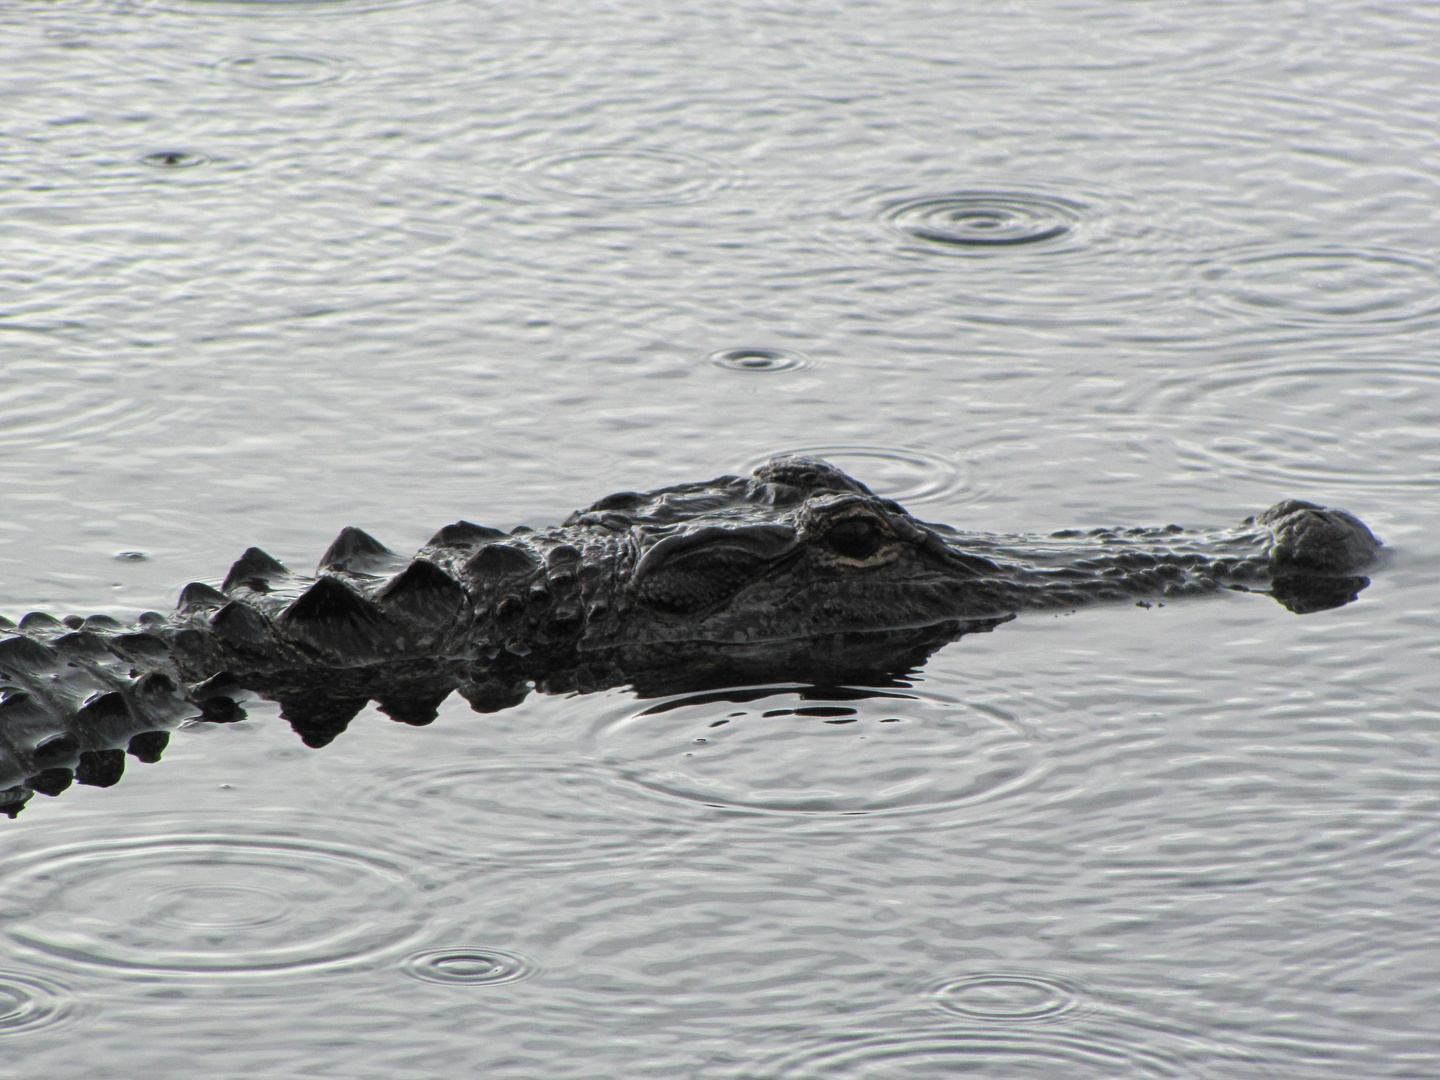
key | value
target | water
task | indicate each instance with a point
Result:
(271, 268)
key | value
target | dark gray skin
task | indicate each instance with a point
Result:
(796, 572)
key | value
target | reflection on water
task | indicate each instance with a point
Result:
(269, 267)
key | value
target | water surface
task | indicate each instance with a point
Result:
(272, 268)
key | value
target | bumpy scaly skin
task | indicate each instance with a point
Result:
(797, 568)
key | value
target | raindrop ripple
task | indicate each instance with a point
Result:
(818, 751)
(283, 71)
(468, 967)
(209, 905)
(28, 1003)
(984, 221)
(1009, 997)
(741, 358)
(639, 177)
(905, 475)
(1333, 287)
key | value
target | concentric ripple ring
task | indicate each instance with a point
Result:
(758, 359)
(623, 177)
(28, 1002)
(1009, 997)
(469, 967)
(904, 474)
(983, 220)
(209, 905)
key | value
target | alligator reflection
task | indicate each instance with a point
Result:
(319, 703)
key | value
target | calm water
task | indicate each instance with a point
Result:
(268, 269)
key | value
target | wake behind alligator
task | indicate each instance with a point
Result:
(797, 572)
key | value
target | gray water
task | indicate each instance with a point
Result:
(272, 268)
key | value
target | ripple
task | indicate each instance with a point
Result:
(172, 159)
(28, 1003)
(1326, 286)
(1061, 253)
(470, 967)
(995, 1056)
(46, 403)
(273, 8)
(283, 71)
(1009, 997)
(1013, 38)
(741, 358)
(624, 177)
(1362, 422)
(907, 476)
(213, 905)
(795, 750)
(531, 813)
(980, 222)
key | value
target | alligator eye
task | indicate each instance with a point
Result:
(855, 538)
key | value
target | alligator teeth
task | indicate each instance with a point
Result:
(254, 570)
(357, 552)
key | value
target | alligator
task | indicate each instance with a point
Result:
(797, 571)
